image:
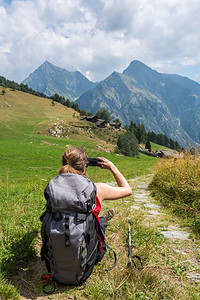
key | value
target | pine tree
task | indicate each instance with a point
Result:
(148, 145)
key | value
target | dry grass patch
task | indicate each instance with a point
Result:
(177, 184)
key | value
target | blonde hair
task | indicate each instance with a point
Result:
(73, 161)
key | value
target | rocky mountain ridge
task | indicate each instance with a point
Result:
(164, 103)
(49, 79)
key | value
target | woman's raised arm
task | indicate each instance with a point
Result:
(105, 191)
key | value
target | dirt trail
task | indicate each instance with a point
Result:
(155, 215)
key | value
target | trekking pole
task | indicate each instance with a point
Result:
(131, 257)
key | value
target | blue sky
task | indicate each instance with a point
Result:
(98, 37)
(7, 1)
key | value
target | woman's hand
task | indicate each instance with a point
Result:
(105, 191)
(106, 164)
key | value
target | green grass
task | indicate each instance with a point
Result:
(177, 184)
(156, 147)
(28, 161)
(31, 157)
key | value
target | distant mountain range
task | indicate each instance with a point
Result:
(49, 79)
(164, 103)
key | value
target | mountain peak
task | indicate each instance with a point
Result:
(137, 67)
(50, 79)
(47, 63)
(137, 63)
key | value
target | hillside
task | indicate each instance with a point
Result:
(180, 94)
(128, 100)
(25, 113)
(35, 133)
(30, 157)
(166, 104)
(49, 79)
(31, 129)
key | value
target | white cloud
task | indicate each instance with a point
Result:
(98, 37)
(197, 78)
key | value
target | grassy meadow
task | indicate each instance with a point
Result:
(28, 161)
(176, 184)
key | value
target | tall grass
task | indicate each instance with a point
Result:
(177, 183)
(20, 207)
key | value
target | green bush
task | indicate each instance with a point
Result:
(103, 114)
(128, 144)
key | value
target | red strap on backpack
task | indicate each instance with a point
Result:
(96, 210)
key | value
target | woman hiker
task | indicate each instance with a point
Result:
(73, 205)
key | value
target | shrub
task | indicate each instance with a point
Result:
(103, 114)
(128, 144)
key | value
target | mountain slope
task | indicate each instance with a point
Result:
(24, 113)
(181, 95)
(29, 118)
(49, 79)
(192, 85)
(125, 98)
(164, 103)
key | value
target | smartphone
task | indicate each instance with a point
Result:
(93, 162)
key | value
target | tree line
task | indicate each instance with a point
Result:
(19, 87)
(68, 103)
(24, 88)
(128, 143)
(143, 137)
